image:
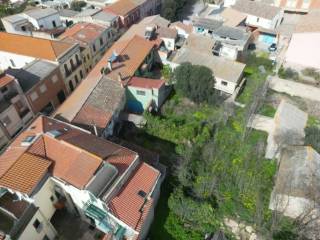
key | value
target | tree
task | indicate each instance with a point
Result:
(172, 8)
(78, 5)
(195, 82)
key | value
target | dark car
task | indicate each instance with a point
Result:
(272, 47)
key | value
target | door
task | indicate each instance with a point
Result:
(61, 96)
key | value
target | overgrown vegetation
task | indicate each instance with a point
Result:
(195, 82)
(172, 9)
(313, 137)
(78, 5)
(311, 72)
(267, 110)
(288, 73)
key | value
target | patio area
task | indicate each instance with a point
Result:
(69, 226)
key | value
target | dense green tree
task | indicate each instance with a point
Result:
(313, 137)
(171, 9)
(195, 82)
(78, 5)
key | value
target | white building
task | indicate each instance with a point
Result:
(107, 186)
(35, 22)
(17, 50)
(259, 14)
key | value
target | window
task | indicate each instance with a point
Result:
(12, 63)
(52, 198)
(258, 19)
(45, 237)
(6, 121)
(4, 89)
(76, 79)
(109, 35)
(71, 85)
(66, 69)
(94, 47)
(81, 74)
(37, 225)
(224, 83)
(54, 79)
(54, 24)
(101, 41)
(88, 56)
(141, 93)
(23, 28)
(43, 88)
(77, 59)
(34, 96)
(71, 63)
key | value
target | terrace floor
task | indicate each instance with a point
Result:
(69, 227)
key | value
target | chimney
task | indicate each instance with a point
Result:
(110, 65)
(120, 79)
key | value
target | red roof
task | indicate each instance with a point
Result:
(71, 156)
(128, 205)
(5, 79)
(146, 83)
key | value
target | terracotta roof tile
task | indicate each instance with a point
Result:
(128, 205)
(122, 7)
(146, 83)
(83, 33)
(33, 47)
(5, 79)
(132, 52)
(25, 173)
(75, 155)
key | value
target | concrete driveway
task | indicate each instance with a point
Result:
(262, 123)
(294, 88)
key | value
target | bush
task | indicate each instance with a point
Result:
(288, 73)
(313, 137)
(311, 72)
(78, 5)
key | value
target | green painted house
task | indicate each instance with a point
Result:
(145, 93)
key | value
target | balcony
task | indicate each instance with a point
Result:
(4, 105)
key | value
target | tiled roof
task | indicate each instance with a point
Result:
(33, 47)
(5, 79)
(74, 156)
(146, 83)
(185, 27)
(122, 7)
(131, 55)
(25, 173)
(232, 17)
(128, 205)
(166, 32)
(258, 9)
(309, 22)
(83, 33)
(132, 52)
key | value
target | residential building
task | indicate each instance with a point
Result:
(95, 105)
(38, 22)
(16, 51)
(93, 40)
(100, 3)
(205, 26)
(183, 29)
(145, 93)
(127, 10)
(98, 16)
(38, 87)
(15, 111)
(298, 5)
(4, 138)
(66, 16)
(230, 42)
(42, 84)
(104, 184)
(303, 51)
(228, 74)
(148, 7)
(260, 14)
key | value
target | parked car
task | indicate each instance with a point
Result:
(272, 47)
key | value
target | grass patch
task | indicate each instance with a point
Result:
(267, 110)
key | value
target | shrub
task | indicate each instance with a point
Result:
(288, 73)
(313, 137)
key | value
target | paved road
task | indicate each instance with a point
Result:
(295, 89)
